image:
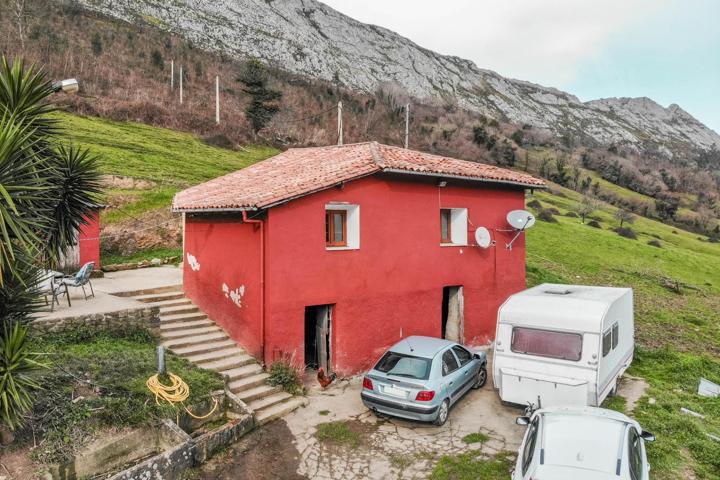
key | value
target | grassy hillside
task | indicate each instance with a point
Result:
(165, 161)
(676, 284)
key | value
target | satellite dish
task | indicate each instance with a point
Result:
(520, 219)
(482, 237)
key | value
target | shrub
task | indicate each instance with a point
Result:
(594, 224)
(571, 214)
(655, 243)
(535, 204)
(553, 210)
(547, 216)
(287, 373)
(626, 232)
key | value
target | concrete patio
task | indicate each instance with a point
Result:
(108, 290)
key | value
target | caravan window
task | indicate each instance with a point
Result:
(607, 342)
(546, 343)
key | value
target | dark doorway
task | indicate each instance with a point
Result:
(453, 314)
(318, 331)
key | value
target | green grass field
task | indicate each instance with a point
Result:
(676, 285)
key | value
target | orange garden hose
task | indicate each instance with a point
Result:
(177, 392)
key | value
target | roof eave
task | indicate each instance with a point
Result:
(212, 209)
(462, 177)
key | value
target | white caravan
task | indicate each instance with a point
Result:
(563, 344)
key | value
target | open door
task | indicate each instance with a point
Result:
(453, 313)
(318, 333)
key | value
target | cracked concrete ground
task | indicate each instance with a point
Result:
(387, 447)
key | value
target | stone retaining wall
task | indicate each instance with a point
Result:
(146, 317)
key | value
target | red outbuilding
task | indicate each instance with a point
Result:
(335, 253)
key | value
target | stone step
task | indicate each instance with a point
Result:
(160, 297)
(190, 332)
(257, 392)
(266, 415)
(194, 340)
(170, 326)
(189, 308)
(269, 401)
(182, 316)
(203, 347)
(247, 382)
(227, 363)
(215, 354)
(176, 302)
(242, 372)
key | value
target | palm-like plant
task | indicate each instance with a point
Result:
(16, 381)
(46, 192)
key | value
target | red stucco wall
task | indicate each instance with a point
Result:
(89, 239)
(392, 284)
(228, 253)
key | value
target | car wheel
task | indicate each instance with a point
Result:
(443, 413)
(481, 378)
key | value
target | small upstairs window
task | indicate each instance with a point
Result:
(342, 226)
(336, 228)
(453, 226)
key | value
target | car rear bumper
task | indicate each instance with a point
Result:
(399, 409)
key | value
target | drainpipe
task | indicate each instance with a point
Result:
(262, 281)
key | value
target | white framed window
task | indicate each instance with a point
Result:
(453, 226)
(342, 226)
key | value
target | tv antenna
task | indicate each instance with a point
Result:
(519, 220)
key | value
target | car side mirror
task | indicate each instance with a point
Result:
(477, 356)
(647, 436)
(522, 420)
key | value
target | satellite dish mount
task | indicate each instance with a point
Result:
(520, 220)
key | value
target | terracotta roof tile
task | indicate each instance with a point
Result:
(301, 171)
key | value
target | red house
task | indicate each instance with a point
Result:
(335, 253)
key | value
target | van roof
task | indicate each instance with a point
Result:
(565, 307)
(568, 442)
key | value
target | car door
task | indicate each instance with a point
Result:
(451, 374)
(524, 466)
(467, 366)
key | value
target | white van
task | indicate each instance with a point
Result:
(563, 344)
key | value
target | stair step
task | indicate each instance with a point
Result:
(257, 392)
(269, 401)
(215, 354)
(171, 326)
(265, 415)
(242, 372)
(159, 297)
(176, 302)
(191, 332)
(194, 340)
(203, 347)
(247, 382)
(189, 308)
(182, 316)
(227, 363)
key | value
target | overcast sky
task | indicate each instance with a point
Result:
(668, 50)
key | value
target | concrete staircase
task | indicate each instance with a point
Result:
(189, 333)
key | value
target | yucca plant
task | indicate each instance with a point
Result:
(16, 380)
(46, 191)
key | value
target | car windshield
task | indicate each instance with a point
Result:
(546, 343)
(402, 365)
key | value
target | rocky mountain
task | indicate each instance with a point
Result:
(311, 39)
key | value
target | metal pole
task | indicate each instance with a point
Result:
(407, 125)
(217, 99)
(181, 85)
(340, 124)
(161, 359)
(172, 75)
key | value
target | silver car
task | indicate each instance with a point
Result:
(420, 378)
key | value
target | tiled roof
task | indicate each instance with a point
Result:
(301, 171)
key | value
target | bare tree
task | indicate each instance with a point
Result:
(586, 207)
(623, 216)
(20, 17)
